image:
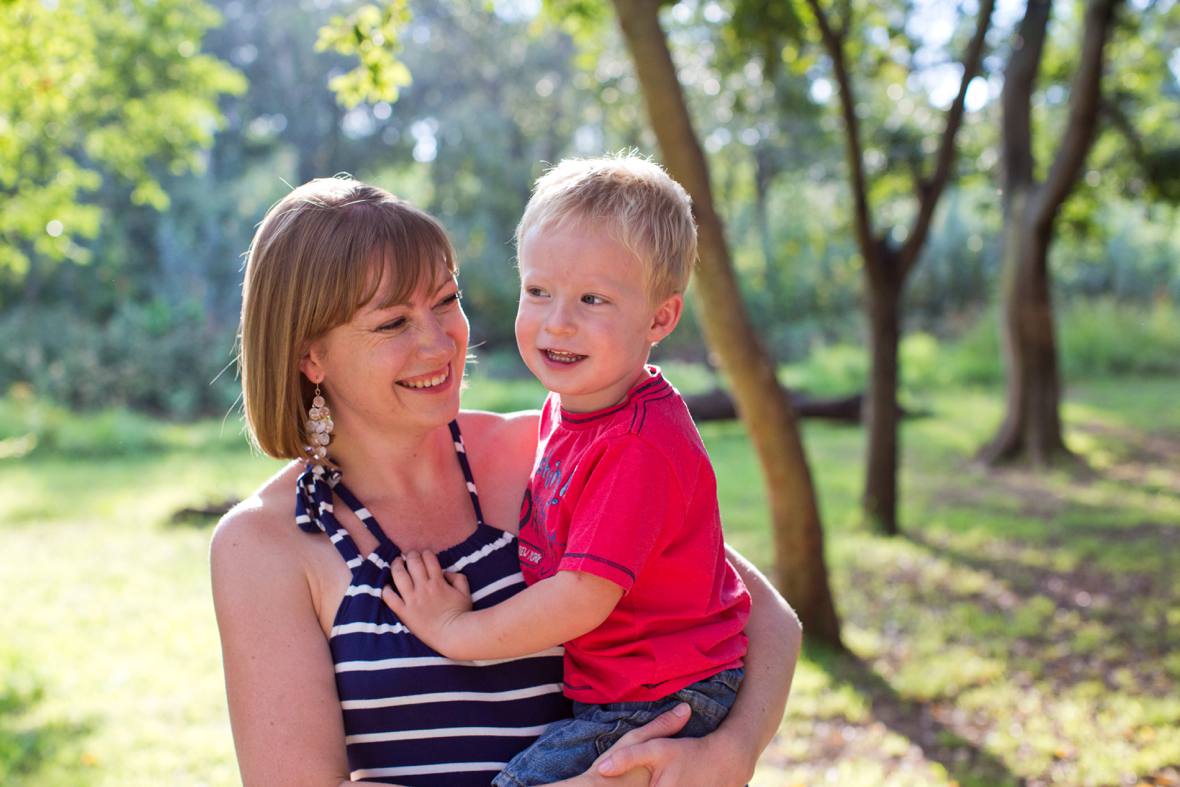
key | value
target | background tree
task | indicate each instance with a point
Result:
(149, 321)
(90, 93)
(888, 261)
(799, 559)
(1031, 428)
(795, 515)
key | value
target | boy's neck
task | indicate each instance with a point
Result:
(601, 400)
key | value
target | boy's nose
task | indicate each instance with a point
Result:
(558, 322)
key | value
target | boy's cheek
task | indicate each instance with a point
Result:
(526, 322)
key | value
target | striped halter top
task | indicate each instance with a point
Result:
(411, 716)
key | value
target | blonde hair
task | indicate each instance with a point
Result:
(640, 204)
(320, 253)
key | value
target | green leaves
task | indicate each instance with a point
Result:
(94, 92)
(371, 34)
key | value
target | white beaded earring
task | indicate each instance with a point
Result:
(319, 426)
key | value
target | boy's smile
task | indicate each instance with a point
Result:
(585, 324)
(557, 356)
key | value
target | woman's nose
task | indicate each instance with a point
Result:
(435, 342)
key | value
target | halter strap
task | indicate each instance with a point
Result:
(315, 511)
(461, 452)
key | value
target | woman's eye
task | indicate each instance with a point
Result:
(393, 325)
(593, 300)
(451, 299)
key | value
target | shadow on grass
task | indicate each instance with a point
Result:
(26, 745)
(1091, 623)
(917, 721)
(203, 515)
(1003, 663)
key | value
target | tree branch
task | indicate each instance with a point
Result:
(1016, 98)
(1084, 103)
(931, 190)
(1118, 118)
(834, 44)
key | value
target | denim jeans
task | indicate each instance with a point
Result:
(569, 747)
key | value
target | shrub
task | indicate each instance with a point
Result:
(147, 357)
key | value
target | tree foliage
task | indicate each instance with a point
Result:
(96, 90)
(371, 34)
(497, 91)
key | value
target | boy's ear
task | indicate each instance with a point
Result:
(311, 363)
(666, 316)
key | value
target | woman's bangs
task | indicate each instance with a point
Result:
(405, 265)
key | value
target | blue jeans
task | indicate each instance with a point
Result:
(569, 747)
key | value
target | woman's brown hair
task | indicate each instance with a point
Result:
(320, 253)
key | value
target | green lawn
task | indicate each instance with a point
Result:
(1024, 629)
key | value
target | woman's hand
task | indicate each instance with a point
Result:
(637, 771)
(676, 762)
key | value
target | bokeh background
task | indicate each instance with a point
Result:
(1010, 620)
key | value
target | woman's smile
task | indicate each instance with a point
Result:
(433, 382)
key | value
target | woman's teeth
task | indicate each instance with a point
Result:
(563, 357)
(427, 382)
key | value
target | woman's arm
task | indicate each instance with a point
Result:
(279, 680)
(729, 755)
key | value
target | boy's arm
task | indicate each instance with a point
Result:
(436, 607)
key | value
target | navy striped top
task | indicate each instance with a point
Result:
(411, 716)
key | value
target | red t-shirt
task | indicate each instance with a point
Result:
(628, 494)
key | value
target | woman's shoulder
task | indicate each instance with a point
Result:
(260, 524)
(500, 448)
(517, 430)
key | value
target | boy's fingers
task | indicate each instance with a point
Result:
(400, 576)
(458, 581)
(415, 567)
(431, 564)
(392, 600)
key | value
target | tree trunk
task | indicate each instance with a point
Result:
(885, 266)
(799, 561)
(1032, 424)
(764, 172)
(883, 306)
(1031, 430)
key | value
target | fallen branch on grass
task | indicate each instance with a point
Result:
(716, 405)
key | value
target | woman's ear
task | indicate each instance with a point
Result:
(311, 363)
(666, 316)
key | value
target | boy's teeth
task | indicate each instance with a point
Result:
(438, 379)
(562, 357)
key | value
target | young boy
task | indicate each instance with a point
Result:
(620, 538)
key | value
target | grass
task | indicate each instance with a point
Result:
(1023, 631)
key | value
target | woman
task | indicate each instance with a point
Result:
(354, 343)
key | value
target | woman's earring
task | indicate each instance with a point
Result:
(319, 426)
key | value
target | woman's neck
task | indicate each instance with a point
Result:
(406, 463)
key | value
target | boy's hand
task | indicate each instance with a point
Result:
(429, 601)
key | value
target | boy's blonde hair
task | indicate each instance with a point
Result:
(321, 253)
(639, 203)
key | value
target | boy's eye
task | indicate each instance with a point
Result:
(534, 292)
(593, 300)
